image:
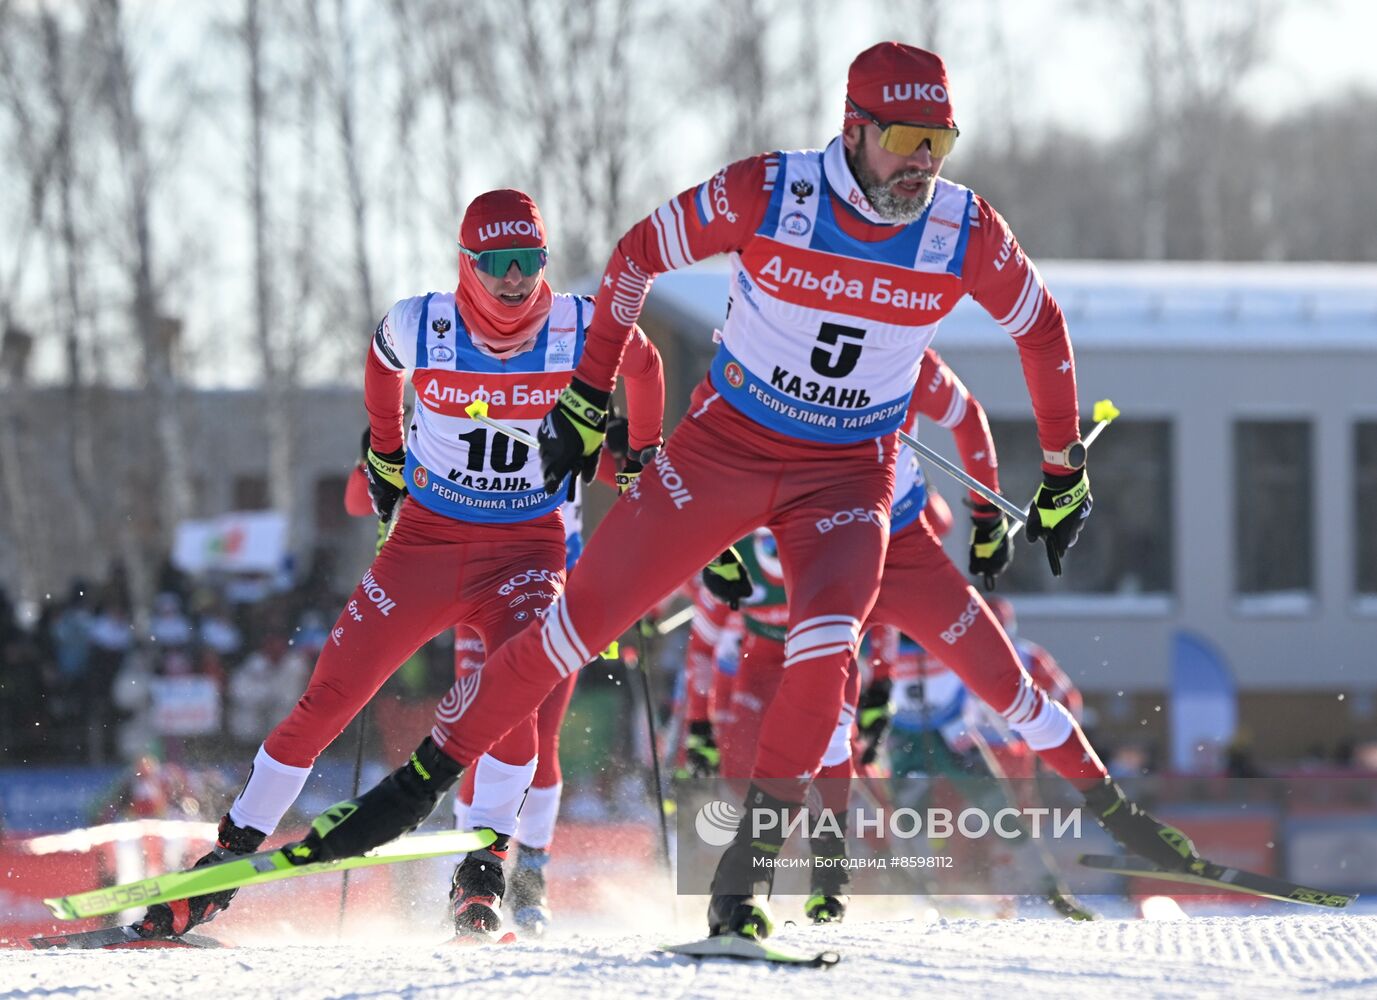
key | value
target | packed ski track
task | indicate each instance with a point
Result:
(1219, 956)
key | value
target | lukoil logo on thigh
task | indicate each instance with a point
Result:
(376, 595)
(672, 481)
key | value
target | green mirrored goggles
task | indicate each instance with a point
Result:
(530, 260)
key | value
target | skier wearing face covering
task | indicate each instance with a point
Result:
(478, 540)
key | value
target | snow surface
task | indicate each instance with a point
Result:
(1216, 956)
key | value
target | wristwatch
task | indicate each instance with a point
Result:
(1072, 456)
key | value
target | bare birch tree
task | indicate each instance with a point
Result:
(331, 44)
(17, 34)
(564, 100)
(276, 346)
(165, 493)
(83, 388)
(1193, 59)
(36, 48)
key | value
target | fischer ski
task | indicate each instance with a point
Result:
(115, 938)
(1207, 873)
(747, 949)
(253, 869)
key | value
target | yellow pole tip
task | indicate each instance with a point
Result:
(478, 408)
(611, 652)
(1105, 410)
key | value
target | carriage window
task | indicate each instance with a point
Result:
(1126, 547)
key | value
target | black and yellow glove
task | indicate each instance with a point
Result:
(572, 433)
(873, 716)
(728, 579)
(385, 481)
(618, 446)
(1058, 513)
(991, 550)
(702, 759)
(626, 478)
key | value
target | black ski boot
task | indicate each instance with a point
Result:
(827, 880)
(394, 806)
(529, 906)
(476, 892)
(166, 920)
(741, 885)
(1137, 831)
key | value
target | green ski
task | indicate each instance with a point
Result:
(1208, 873)
(252, 869)
(747, 949)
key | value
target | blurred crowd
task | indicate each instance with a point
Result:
(79, 682)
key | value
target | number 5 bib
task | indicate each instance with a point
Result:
(825, 333)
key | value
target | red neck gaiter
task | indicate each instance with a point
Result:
(491, 322)
(496, 220)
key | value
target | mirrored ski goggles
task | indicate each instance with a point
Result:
(529, 260)
(903, 139)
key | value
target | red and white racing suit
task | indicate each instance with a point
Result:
(491, 794)
(927, 598)
(711, 618)
(922, 594)
(1015, 755)
(478, 541)
(830, 311)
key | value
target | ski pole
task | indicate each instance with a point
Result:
(1104, 413)
(362, 725)
(646, 633)
(385, 526)
(1010, 793)
(675, 621)
(478, 410)
(970, 482)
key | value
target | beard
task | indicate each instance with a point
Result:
(888, 203)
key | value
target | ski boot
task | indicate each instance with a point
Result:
(475, 894)
(529, 905)
(394, 806)
(828, 880)
(1137, 831)
(745, 875)
(168, 920)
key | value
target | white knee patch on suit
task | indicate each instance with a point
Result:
(268, 794)
(537, 820)
(825, 635)
(498, 790)
(1048, 728)
(839, 747)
